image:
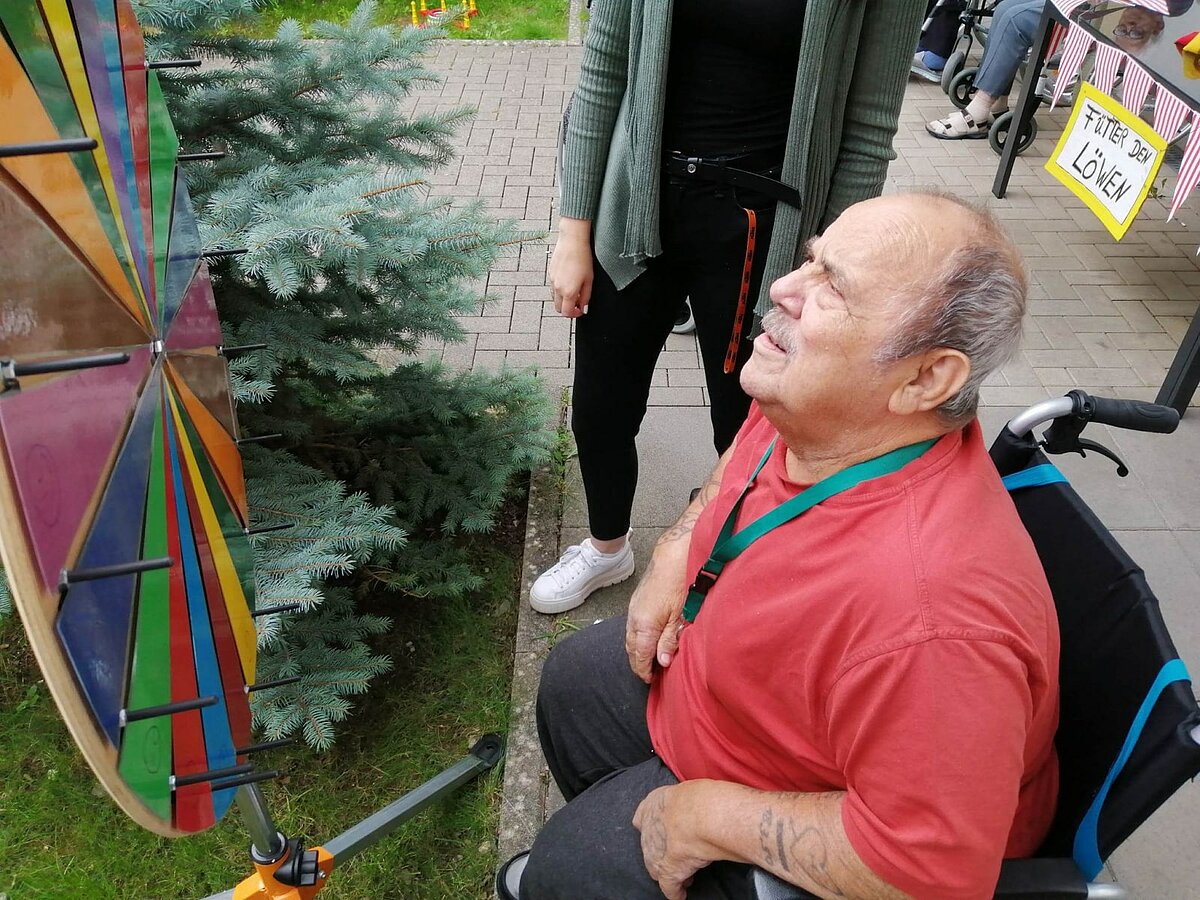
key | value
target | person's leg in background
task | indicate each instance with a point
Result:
(1009, 40)
(710, 252)
(617, 343)
(938, 40)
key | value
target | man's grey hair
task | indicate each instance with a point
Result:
(974, 303)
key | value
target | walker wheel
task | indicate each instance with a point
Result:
(998, 133)
(962, 87)
(953, 66)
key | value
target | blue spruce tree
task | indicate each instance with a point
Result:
(351, 265)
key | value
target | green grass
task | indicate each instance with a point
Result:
(63, 838)
(509, 20)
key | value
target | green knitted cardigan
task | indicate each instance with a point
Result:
(854, 61)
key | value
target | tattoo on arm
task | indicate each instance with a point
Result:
(799, 849)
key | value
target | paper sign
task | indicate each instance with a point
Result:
(1108, 157)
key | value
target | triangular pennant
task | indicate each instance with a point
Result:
(1066, 7)
(1169, 113)
(1108, 60)
(1057, 34)
(1075, 48)
(1189, 172)
(61, 438)
(1158, 6)
(1135, 87)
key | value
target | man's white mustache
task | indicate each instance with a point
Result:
(775, 323)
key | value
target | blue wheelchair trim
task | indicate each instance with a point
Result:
(1034, 476)
(1086, 851)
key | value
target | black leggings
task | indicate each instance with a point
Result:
(617, 343)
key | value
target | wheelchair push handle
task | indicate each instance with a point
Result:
(1077, 409)
(1135, 415)
(1071, 414)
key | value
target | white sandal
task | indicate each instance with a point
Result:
(958, 126)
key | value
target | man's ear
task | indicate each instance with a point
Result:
(933, 378)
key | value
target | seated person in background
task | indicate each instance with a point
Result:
(938, 37)
(1009, 39)
(865, 702)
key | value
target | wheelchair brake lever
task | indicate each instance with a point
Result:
(1081, 445)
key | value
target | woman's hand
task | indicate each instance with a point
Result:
(571, 268)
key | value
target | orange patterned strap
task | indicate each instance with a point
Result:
(739, 319)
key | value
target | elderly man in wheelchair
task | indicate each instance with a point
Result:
(840, 672)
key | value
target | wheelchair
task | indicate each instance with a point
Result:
(1129, 728)
(957, 78)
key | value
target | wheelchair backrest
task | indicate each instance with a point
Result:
(1114, 645)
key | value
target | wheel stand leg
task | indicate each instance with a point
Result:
(284, 870)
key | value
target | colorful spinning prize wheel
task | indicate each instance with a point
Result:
(123, 517)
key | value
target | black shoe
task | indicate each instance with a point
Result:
(684, 323)
(508, 879)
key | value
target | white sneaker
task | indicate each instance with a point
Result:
(582, 570)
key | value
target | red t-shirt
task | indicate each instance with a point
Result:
(897, 642)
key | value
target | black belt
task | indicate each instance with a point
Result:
(721, 171)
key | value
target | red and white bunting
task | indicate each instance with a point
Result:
(1056, 35)
(1189, 172)
(1169, 114)
(1135, 87)
(1075, 48)
(1158, 6)
(1066, 7)
(1108, 60)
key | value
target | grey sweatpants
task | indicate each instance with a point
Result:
(591, 716)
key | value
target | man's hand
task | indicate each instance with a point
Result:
(671, 855)
(655, 618)
(655, 611)
(571, 270)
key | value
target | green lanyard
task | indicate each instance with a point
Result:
(728, 545)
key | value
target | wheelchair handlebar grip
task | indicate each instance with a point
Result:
(1135, 415)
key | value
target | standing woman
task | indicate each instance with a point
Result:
(707, 142)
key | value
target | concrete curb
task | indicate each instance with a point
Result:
(525, 791)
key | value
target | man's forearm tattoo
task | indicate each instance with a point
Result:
(797, 849)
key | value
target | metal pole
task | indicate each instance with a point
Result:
(1028, 104)
(484, 755)
(266, 842)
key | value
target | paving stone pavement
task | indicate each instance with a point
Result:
(1104, 316)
